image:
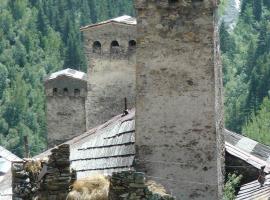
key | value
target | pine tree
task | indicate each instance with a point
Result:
(257, 9)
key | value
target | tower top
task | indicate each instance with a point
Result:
(125, 20)
(71, 73)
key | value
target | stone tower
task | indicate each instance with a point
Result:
(110, 47)
(179, 124)
(65, 101)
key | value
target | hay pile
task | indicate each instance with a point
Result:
(95, 187)
(156, 188)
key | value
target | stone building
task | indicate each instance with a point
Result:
(179, 97)
(65, 104)
(110, 47)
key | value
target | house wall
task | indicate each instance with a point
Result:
(111, 71)
(179, 120)
(32, 179)
(65, 110)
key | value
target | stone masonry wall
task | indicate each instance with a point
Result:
(65, 110)
(179, 120)
(111, 71)
(49, 182)
(130, 185)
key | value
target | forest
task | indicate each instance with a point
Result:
(246, 68)
(39, 37)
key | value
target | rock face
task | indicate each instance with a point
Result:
(179, 120)
(65, 105)
(110, 48)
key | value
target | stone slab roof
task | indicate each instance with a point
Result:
(125, 19)
(110, 147)
(6, 157)
(4, 153)
(104, 149)
(68, 73)
(252, 152)
(253, 191)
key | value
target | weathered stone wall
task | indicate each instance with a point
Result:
(50, 181)
(179, 120)
(111, 71)
(65, 109)
(131, 186)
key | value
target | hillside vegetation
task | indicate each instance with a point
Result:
(246, 67)
(39, 37)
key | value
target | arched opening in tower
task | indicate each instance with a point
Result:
(97, 47)
(115, 47)
(132, 45)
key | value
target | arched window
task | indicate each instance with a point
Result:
(77, 92)
(115, 47)
(132, 45)
(65, 91)
(173, 1)
(96, 47)
(54, 91)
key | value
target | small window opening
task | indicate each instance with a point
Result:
(132, 44)
(96, 47)
(54, 91)
(196, 1)
(173, 2)
(65, 91)
(77, 92)
(115, 47)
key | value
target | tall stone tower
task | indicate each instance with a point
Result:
(179, 122)
(110, 47)
(65, 99)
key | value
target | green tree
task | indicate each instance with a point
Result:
(231, 184)
(258, 126)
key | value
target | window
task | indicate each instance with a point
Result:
(54, 91)
(65, 91)
(171, 2)
(132, 44)
(115, 48)
(77, 92)
(96, 47)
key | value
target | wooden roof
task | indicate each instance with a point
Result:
(253, 191)
(111, 147)
(248, 150)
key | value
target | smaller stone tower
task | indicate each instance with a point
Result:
(110, 48)
(65, 93)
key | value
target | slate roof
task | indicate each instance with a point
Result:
(104, 149)
(253, 191)
(110, 147)
(125, 19)
(4, 153)
(6, 157)
(252, 152)
(68, 73)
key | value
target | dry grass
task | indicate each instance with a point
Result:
(33, 166)
(156, 188)
(95, 187)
